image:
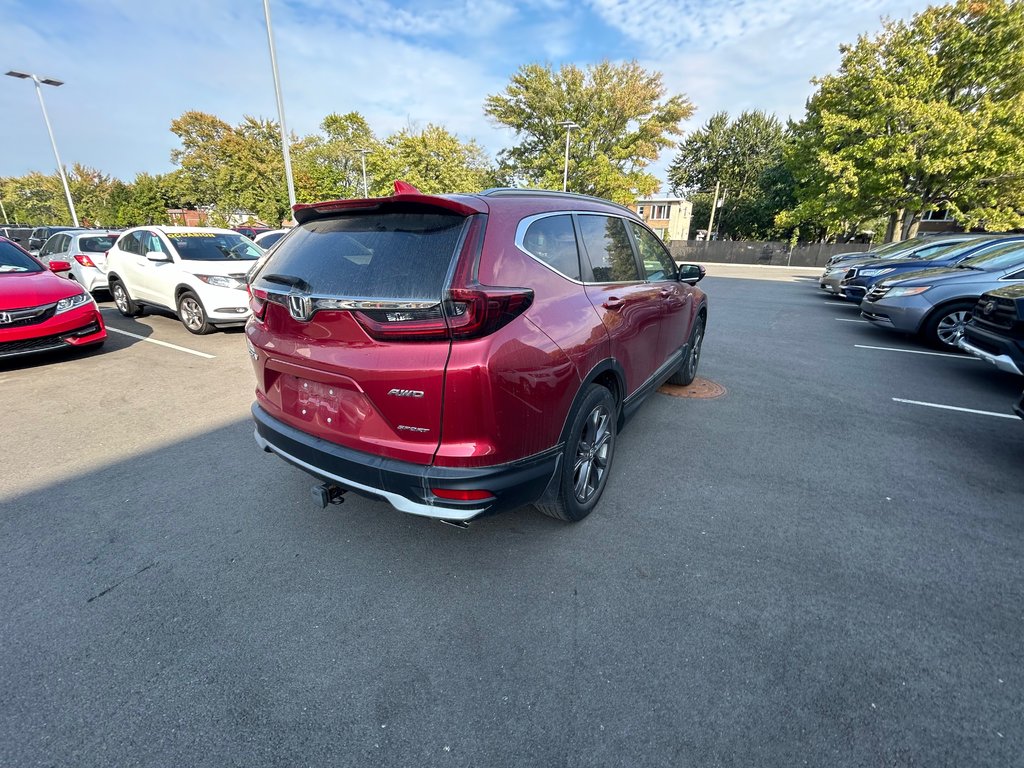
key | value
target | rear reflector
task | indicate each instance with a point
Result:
(456, 495)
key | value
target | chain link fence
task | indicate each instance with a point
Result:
(760, 252)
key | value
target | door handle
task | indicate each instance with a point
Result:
(613, 302)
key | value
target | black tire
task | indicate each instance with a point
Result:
(687, 372)
(945, 325)
(125, 305)
(586, 457)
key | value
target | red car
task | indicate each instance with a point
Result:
(459, 355)
(40, 311)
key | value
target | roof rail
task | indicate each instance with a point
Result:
(527, 192)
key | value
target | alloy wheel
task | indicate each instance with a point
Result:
(592, 454)
(191, 314)
(120, 298)
(951, 327)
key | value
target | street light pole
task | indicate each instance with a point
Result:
(49, 130)
(362, 156)
(280, 108)
(568, 125)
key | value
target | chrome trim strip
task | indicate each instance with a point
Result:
(399, 502)
(1002, 362)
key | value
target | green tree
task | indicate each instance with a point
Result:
(743, 157)
(201, 157)
(36, 198)
(624, 120)
(928, 114)
(329, 166)
(433, 160)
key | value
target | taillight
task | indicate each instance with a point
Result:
(84, 260)
(458, 495)
(257, 301)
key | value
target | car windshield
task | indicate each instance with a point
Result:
(96, 244)
(952, 250)
(897, 247)
(213, 246)
(1009, 255)
(13, 259)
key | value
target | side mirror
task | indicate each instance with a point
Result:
(691, 273)
(60, 266)
(157, 256)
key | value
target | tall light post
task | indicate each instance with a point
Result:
(363, 152)
(280, 108)
(46, 118)
(568, 125)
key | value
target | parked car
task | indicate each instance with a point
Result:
(464, 354)
(937, 303)
(250, 232)
(85, 251)
(17, 234)
(919, 247)
(41, 234)
(862, 276)
(995, 332)
(196, 272)
(266, 239)
(40, 311)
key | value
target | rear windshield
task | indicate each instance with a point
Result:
(214, 246)
(98, 244)
(13, 259)
(380, 256)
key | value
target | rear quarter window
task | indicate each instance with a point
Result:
(382, 256)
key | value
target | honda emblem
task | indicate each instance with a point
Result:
(5, 318)
(300, 306)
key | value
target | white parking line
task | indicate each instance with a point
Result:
(917, 352)
(162, 343)
(850, 320)
(955, 408)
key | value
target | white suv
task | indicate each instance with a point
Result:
(197, 272)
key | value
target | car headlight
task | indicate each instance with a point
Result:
(907, 291)
(72, 301)
(221, 281)
(877, 272)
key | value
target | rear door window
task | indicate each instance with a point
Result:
(382, 256)
(609, 249)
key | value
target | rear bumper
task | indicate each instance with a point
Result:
(407, 486)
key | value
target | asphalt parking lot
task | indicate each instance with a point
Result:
(821, 567)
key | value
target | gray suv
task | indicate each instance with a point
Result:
(936, 303)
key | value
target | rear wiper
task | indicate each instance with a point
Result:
(294, 282)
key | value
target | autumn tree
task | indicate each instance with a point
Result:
(927, 114)
(624, 120)
(433, 160)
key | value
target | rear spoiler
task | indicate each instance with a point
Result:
(405, 194)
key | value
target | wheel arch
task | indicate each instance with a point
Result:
(943, 305)
(609, 374)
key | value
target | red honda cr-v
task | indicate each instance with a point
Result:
(462, 354)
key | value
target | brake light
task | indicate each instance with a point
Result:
(84, 260)
(257, 301)
(457, 495)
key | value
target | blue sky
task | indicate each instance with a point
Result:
(132, 66)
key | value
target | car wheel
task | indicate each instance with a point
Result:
(586, 458)
(192, 314)
(124, 302)
(946, 325)
(687, 372)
